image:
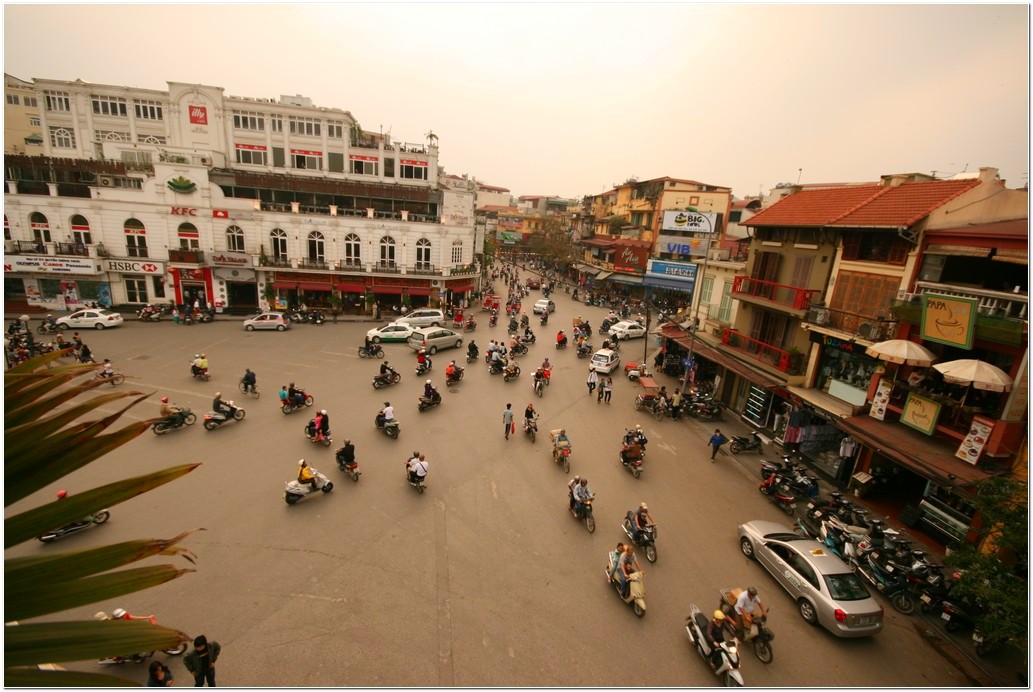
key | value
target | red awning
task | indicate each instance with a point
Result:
(701, 349)
(419, 291)
(302, 285)
(351, 288)
(393, 290)
(460, 286)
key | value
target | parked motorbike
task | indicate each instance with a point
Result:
(310, 433)
(205, 316)
(374, 351)
(290, 406)
(430, 403)
(741, 443)
(315, 317)
(696, 625)
(888, 581)
(96, 519)
(769, 467)
(511, 373)
(186, 418)
(295, 490)
(213, 420)
(390, 428)
(138, 657)
(709, 410)
(200, 373)
(646, 537)
(779, 492)
(145, 315)
(389, 378)
(636, 597)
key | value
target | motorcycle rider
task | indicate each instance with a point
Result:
(496, 360)
(283, 394)
(636, 436)
(195, 365)
(529, 416)
(715, 634)
(368, 346)
(220, 406)
(524, 322)
(582, 494)
(614, 559)
(539, 377)
(745, 605)
(626, 566)
(545, 318)
(322, 426)
(471, 350)
(423, 359)
(386, 414)
(296, 395)
(306, 475)
(450, 370)
(417, 468)
(429, 393)
(386, 370)
(630, 451)
(346, 454)
(51, 322)
(573, 483)
(173, 413)
(62, 494)
(640, 519)
(561, 338)
(249, 381)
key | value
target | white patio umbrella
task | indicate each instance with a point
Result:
(902, 351)
(979, 374)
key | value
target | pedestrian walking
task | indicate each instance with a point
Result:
(201, 661)
(507, 420)
(159, 675)
(593, 380)
(716, 440)
(676, 404)
(602, 390)
(609, 389)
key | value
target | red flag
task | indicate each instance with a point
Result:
(220, 214)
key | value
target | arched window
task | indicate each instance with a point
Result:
(278, 242)
(61, 138)
(40, 228)
(235, 239)
(80, 230)
(387, 251)
(457, 252)
(315, 246)
(352, 249)
(189, 238)
(136, 238)
(423, 254)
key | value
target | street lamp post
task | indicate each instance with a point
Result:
(695, 322)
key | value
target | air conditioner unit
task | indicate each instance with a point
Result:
(821, 316)
(206, 160)
(106, 181)
(720, 254)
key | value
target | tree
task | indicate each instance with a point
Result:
(44, 441)
(995, 568)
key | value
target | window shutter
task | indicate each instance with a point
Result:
(851, 246)
(898, 252)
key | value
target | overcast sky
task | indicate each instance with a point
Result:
(568, 99)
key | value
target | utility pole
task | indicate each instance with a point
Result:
(695, 320)
(645, 346)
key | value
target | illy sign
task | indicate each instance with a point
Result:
(133, 267)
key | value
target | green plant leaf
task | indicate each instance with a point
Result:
(36, 363)
(55, 642)
(31, 602)
(34, 677)
(37, 521)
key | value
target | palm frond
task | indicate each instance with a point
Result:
(54, 642)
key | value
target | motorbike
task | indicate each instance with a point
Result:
(213, 420)
(561, 344)
(186, 318)
(290, 406)
(634, 466)
(418, 482)
(741, 443)
(455, 377)
(780, 493)
(529, 338)
(561, 455)
(646, 537)
(531, 427)
(424, 367)
(584, 350)
(493, 320)
(518, 350)
(388, 378)
(145, 315)
(785, 465)
(96, 519)
(584, 511)
(544, 319)
(186, 418)
(471, 356)
(470, 325)
(888, 581)
(696, 625)
(200, 374)
(310, 433)
(47, 328)
(704, 410)
(430, 403)
(294, 491)
(511, 373)
(759, 633)
(315, 317)
(138, 657)
(389, 428)
(205, 316)
(636, 597)
(374, 351)
(607, 323)
(352, 469)
(539, 386)
(497, 366)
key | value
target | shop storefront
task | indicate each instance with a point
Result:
(58, 283)
(236, 283)
(192, 285)
(294, 289)
(136, 281)
(393, 293)
(844, 371)
(458, 292)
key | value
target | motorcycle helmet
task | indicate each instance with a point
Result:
(203, 355)
(62, 494)
(323, 412)
(118, 613)
(218, 395)
(643, 506)
(428, 382)
(752, 591)
(24, 318)
(638, 427)
(49, 315)
(197, 355)
(301, 462)
(577, 479)
(719, 615)
(164, 400)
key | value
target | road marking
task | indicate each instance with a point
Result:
(494, 491)
(313, 596)
(446, 670)
(668, 448)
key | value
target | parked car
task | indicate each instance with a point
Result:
(423, 317)
(826, 590)
(268, 320)
(627, 329)
(543, 305)
(605, 361)
(434, 338)
(393, 331)
(90, 319)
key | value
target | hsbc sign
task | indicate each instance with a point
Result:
(130, 266)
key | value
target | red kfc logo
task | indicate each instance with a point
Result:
(198, 115)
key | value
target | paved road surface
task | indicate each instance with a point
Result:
(484, 580)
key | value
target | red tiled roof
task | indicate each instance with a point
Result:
(633, 242)
(814, 207)
(903, 205)
(1016, 227)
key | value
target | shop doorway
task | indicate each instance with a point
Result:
(194, 291)
(243, 295)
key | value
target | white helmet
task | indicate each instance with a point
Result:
(323, 412)
(301, 462)
(118, 613)
(428, 382)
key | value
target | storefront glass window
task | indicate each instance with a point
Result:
(136, 289)
(49, 289)
(845, 375)
(757, 405)
(88, 290)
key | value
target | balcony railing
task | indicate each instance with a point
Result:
(25, 247)
(312, 263)
(468, 269)
(71, 249)
(186, 256)
(990, 303)
(351, 264)
(274, 261)
(868, 328)
(424, 268)
(389, 266)
(758, 350)
(790, 296)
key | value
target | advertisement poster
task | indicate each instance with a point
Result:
(949, 320)
(920, 413)
(972, 446)
(71, 294)
(882, 398)
(32, 292)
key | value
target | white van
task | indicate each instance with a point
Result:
(424, 317)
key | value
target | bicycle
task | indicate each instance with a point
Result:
(113, 379)
(252, 391)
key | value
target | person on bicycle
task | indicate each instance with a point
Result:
(249, 381)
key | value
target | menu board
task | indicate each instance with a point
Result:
(972, 446)
(882, 398)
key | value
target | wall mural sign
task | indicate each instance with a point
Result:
(689, 221)
(920, 413)
(949, 320)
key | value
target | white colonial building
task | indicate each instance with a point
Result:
(144, 196)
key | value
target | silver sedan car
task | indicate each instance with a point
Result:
(826, 591)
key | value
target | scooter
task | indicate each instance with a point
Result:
(561, 344)
(199, 374)
(529, 337)
(741, 443)
(310, 433)
(374, 351)
(48, 328)
(584, 350)
(470, 325)
(424, 367)
(646, 537)
(539, 386)
(544, 320)
(769, 467)
(145, 315)
(493, 320)
(213, 420)
(139, 657)
(759, 633)
(185, 418)
(389, 378)
(455, 377)
(634, 466)
(780, 493)
(290, 406)
(418, 482)
(471, 356)
(97, 519)
(695, 626)
(885, 582)
(584, 511)
(389, 428)
(531, 427)
(511, 373)
(295, 490)
(636, 597)
(352, 469)
(426, 403)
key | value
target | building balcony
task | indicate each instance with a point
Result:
(867, 328)
(781, 360)
(990, 303)
(424, 268)
(186, 256)
(1001, 317)
(349, 265)
(25, 247)
(281, 261)
(768, 293)
(388, 266)
(77, 249)
(464, 270)
(312, 263)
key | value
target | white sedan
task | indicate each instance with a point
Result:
(85, 319)
(627, 330)
(543, 305)
(394, 331)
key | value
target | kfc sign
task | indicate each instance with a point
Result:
(198, 115)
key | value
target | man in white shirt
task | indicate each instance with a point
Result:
(387, 414)
(745, 605)
(418, 468)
